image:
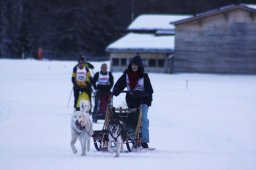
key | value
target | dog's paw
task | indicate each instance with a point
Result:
(83, 154)
(74, 150)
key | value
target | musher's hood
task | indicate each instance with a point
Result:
(137, 60)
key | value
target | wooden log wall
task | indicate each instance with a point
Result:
(223, 43)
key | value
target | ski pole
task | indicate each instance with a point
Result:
(92, 71)
(70, 96)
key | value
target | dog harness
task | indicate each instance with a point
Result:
(82, 128)
(118, 132)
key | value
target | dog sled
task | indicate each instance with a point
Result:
(130, 123)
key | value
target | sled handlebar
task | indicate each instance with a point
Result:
(125, 91)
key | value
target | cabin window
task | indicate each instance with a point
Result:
(123, 62)
(161, 63)
(115, 62)
(152, 63)
(145, 62)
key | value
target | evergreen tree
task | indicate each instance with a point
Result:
(65, 29)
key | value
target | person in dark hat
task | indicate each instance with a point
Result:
(81, 79)
(140, 92)
(82, 59)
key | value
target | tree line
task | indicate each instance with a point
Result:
(64, 29)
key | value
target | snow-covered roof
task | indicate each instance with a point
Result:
(134, 42)
(250, 7)
(155, 22)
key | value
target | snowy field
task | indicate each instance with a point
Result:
(197, 121)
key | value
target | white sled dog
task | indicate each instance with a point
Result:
(81, 127)
(115, 129)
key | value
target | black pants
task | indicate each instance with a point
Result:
(76, 94)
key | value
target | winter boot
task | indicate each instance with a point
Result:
(94, 120)
(144, 145)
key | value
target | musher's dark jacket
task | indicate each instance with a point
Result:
(103, 88)
(138, 97)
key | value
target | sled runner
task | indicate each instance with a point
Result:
(140, 149)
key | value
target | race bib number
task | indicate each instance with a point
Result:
(80, 77)
(81, 74)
